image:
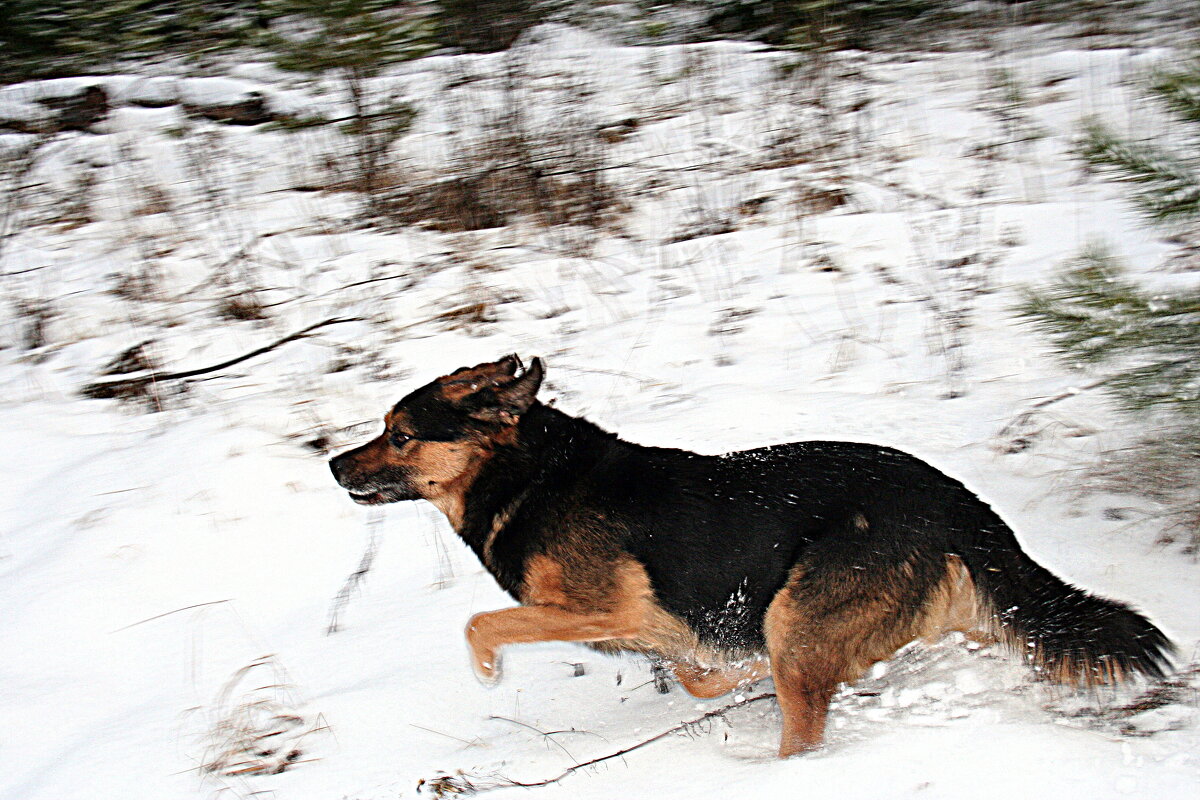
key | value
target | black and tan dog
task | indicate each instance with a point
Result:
(806, 562)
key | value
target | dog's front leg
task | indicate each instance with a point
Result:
(488, 632)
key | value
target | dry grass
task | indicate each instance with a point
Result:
(550, 178)
(255, 728)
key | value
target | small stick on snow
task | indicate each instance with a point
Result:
(544, 734)
(445, 785)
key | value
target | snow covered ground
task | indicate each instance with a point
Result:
(167, 576)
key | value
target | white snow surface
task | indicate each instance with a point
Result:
(167, 576)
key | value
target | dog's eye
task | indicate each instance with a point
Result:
(399, 439)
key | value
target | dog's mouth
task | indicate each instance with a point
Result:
(381, 496)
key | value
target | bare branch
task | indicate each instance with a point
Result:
(132, 385)
(460, 784)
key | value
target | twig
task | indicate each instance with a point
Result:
(544, 734)
(460, 784)
(123, 387)
(1024, 416)
(169, 613)
(356, 577)
(467, 742)
(23, 271)
(1074, 391)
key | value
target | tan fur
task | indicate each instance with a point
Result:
(444, 472)
(1074, 671)
(709, 682)
(498, 522)
(375, 456)
(805, 673)
(493, 371)
(954, 606)
(544, 584)
(552, 613)
(454, 390)
(623, 616)
(1079, 673)
(820, 638)
(466, 381)
(820, 630)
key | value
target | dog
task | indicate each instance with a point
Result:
(806, 562)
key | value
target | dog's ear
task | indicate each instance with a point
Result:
(488, 370)
(507, 402)
(509, 365)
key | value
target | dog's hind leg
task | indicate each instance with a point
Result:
(709, 682)
(827, 627)
(806, 672)
(804, 701)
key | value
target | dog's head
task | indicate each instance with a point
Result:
(437, 438)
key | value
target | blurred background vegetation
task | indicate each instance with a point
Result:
(1136, 340)
(55, 38)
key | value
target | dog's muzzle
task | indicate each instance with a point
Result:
(370, 490)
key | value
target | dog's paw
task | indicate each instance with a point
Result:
(487, 668)
(484, 656)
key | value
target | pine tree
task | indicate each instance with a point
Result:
(1147, 345)
(486, 26)
(195, 29)
(1168, 182)
(814, 23)
(1144, 344)
(53, 38)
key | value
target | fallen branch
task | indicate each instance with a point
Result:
(1074, 391)
(1022, 419)
(460, 784)
(132, 386)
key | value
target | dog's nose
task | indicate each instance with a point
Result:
(335, 467)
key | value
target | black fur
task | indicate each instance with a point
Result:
(718, 535)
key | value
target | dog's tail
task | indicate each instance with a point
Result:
(1067, 634)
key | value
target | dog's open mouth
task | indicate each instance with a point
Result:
(388, 494)
(369, 499)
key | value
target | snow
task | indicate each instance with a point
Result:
(167, 576)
